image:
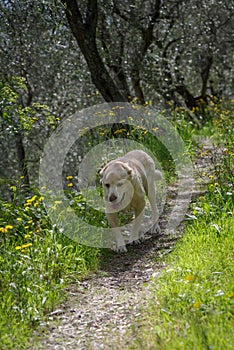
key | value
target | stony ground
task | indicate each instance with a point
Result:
(101, 311)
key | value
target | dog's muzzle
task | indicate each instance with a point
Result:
(112, 197)
(112, 200)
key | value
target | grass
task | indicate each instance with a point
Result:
(36, 263)
(192, 304)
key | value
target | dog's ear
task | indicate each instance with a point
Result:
(128, 168)
(102, 170)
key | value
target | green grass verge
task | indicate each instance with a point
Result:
(192, 303)
(36, 263)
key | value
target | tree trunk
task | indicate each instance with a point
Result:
(84, 30)
(22, 160)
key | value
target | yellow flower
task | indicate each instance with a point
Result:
(197, 304)
(8, 227)
(26, 245)
(119, 131)
(230, 295)
(3, 230)
(69, 177)
(189, 278)
(70, 184)
(19, 219)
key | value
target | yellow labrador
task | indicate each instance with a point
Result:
(125, 181)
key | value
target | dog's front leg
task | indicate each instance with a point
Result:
(113, 221)
(139, 212)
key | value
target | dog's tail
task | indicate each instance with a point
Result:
(158, 175)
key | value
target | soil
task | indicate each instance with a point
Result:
(102, 311)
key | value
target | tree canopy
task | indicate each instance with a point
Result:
(63, 55)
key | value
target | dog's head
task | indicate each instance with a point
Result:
(116, 181)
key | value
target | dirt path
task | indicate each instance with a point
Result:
(104, 308)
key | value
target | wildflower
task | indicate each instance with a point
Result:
(230, 295)
(27, 236)
(119, 131)
(27, 245)
(69, 177)
(70, 184)
(57, 202)
(30, 200)
(197, 305)
(8, 227)
(3, 230)
(211, 176)
(19, 219)
(189, 278)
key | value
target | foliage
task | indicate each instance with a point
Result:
(18, 116)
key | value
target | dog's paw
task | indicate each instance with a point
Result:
(155, 229)
(135, 241)
(121, 248)
(142, 236)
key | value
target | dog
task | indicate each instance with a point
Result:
(126, 181)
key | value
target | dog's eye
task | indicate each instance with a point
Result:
(107, 185)
(119, 184)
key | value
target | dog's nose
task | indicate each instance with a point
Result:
(112, 197)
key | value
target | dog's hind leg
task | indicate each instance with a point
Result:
(154, 208)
